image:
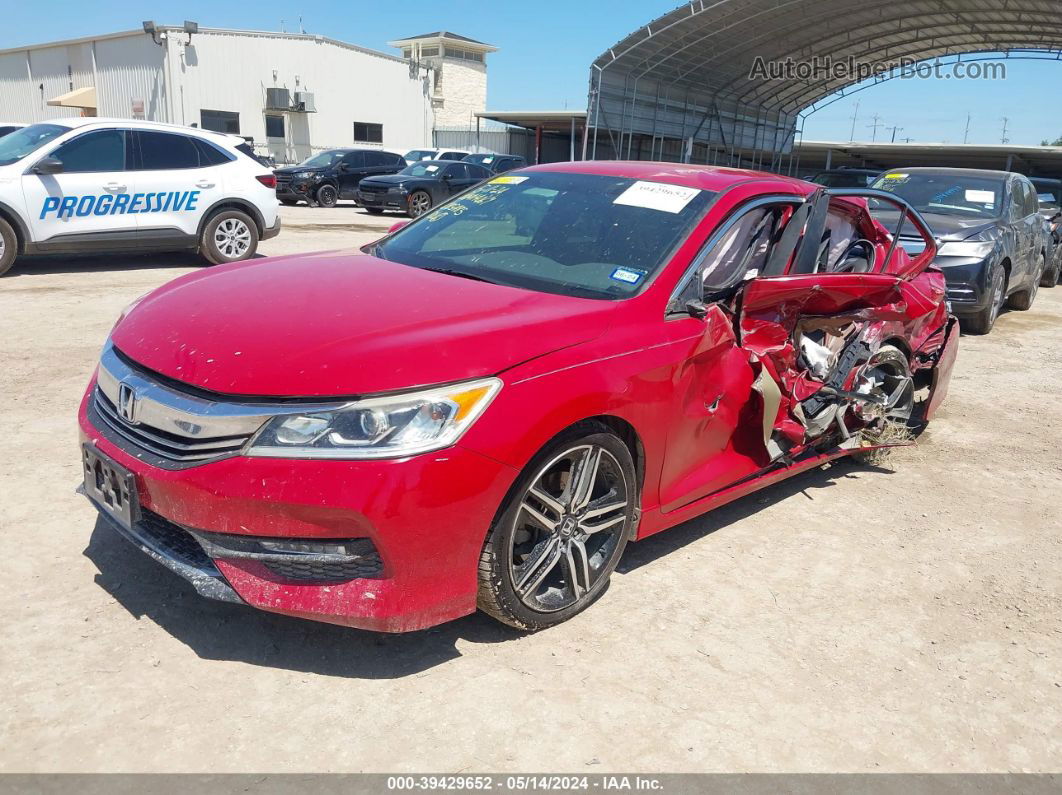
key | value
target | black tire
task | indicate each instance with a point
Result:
(327, 196)
(289, 202)
(560, 577)
(8, 246)
(374, 210)
(418, 203)
(229, 236)
(1023, 301)
(1050, 277)
(983, 321)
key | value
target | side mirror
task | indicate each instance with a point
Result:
(48, 165)
(396, 226)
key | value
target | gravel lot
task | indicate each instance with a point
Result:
(852, 619)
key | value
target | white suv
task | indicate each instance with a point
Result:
(80, 186)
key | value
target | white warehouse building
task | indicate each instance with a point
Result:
(291, 93)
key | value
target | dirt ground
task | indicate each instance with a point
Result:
(852, 619)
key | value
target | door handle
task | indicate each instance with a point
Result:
(114, 187)
(204, 184)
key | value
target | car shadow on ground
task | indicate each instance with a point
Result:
(675, 538)
(95, 263)
(223, 631)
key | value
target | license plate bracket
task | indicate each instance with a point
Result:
(110, 486)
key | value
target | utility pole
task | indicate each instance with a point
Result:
(1005, 139)
(966, 135)
(874, 126)
(894, 130)
(854, 117)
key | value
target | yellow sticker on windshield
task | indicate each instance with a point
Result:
(508, 180)
(896, 176)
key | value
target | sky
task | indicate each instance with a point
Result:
(545, 50)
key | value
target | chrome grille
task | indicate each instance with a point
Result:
(155, 415)
(167, 445)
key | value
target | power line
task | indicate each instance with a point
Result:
(874, 126)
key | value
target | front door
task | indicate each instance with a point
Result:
(351, 170)
(88, 200)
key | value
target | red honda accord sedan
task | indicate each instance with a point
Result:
(484, 407)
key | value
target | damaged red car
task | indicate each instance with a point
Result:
(484, 407)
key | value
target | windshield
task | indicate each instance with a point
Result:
(419, 154)
(946, 193)
(843, 179)
(15, 146)
(484, 159)
(324, 160)
(582, 235)
(1048, 193)
(426, 169)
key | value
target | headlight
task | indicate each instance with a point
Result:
(385, 427)
(967, 248)
(302, 175)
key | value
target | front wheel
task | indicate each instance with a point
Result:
(327, 196)
(983, 321)
(887, 380)
(1024, 300)
(561, 531)
(229, 236)
(419, 202)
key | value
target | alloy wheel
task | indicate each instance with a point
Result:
(568, 528)
(888, 381)
(997, 296)
(232, 238)
(419, 203)
(327, 196)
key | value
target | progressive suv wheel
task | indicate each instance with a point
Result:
(229, 236)
(561, 532)
(8, 246)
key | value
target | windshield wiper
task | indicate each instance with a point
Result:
(462, 274)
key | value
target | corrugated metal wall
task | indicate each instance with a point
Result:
(228, 71)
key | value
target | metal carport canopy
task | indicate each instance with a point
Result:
(687, 74)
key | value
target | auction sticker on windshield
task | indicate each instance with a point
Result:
(508, 180)
(657, 196)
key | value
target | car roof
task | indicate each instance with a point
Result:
(714, 178)
(76, 122)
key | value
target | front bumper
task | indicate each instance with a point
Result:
(384, 201)
(967, 283)
(426, 517)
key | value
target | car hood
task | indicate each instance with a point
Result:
(943, 226)
(341, 324)
(392, 179)
(950, 227)
(297, 169)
